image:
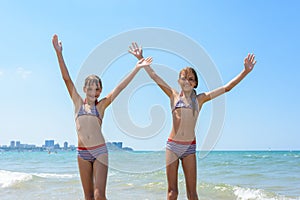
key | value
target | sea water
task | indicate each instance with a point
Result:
(228, 175)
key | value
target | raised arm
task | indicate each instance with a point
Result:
(64, 71)
(249, 63)
(105, 102)
(137, 51)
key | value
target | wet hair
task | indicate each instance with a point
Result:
(92, 79)
(190, 70)
(187, 71)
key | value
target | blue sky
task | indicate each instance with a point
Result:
(261, 112)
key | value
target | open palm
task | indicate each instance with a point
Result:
(144, 62)
(249, 62)
(135, 50)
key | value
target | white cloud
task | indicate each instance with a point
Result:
(1, 73)
(23, 73)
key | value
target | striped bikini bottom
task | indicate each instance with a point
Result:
(181, 149)
(91, 153)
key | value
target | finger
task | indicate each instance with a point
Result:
(149, 59)
(135, 46)
(246, 59)
(130, 49)
(249, 56)
(253, 59)
(148, 62)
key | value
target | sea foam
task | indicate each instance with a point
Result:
(256, 194)
(9, 179)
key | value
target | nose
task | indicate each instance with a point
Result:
(93, 92)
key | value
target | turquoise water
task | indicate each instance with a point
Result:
(141, 175)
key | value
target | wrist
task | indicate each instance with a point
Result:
(245, 72)
(139, 57)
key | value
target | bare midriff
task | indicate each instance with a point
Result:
(89, 131)
(184, 122)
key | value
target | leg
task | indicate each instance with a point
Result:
(100, 176)
(189, 166)
(172, 163)
(86, 176)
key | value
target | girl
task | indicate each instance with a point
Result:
(92, 151)
(186, 105)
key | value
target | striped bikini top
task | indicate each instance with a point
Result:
(181, 104)
(85, 109)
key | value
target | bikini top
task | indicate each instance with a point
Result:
(86, 110)
(181, 104)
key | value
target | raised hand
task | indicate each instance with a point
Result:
(249, 62)
(56, 44)
(135, 50)
(144, 62)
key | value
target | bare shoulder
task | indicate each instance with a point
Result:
(101, 102)
(175, 93)
(202, 98)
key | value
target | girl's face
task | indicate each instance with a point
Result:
(92, 92)
(187, 81)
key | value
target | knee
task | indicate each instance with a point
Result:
(99, 195)
(192, 195)
(172, 194)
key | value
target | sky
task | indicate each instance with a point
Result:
(261, 113)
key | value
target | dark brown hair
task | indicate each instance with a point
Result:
(187, 71)
(190, 70)
(91, 79)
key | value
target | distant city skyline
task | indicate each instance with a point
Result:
(50, 144)
(19, 142)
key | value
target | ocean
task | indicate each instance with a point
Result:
(222, 175)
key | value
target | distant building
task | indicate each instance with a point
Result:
(127, 149)
(18, 144)
(72, 147)
(56, 146)
(12, 144)
(49, 143)
(118, 144)
(65, 145)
